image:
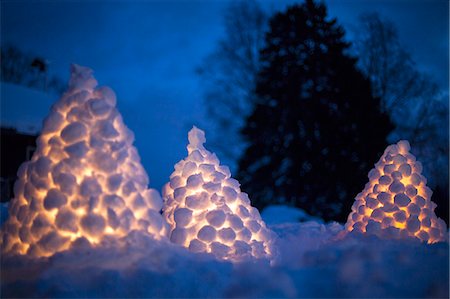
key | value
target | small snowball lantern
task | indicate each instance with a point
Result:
(206, 210)
(84, 181)
(396, 202)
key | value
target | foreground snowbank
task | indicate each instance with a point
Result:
(314, 260)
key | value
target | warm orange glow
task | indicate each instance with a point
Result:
(396, 202)
(85, 179)
(206, 210)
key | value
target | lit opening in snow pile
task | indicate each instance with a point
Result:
(206, 210)
(396, 202)
(85, 182)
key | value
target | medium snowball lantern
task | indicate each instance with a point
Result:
(84, 181)
(396, 201)
(206, 210)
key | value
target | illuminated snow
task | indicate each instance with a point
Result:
(206, 210)
(396, 202)
(84, 182)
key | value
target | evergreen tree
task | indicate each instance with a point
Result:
(316, 128)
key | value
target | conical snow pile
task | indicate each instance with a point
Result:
(396, 202)
(84, 182)
(206, 210)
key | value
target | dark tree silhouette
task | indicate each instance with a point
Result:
(316, 130)
(20, 68)
(228, 75)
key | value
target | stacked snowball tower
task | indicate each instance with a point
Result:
(396, 203)
(84, 182)
(206, 210)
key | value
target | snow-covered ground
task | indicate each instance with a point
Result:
(313, 260)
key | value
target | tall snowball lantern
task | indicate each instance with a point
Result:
(206, 210)
(84, 182)
(396, 203)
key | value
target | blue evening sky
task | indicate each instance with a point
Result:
(147, 51)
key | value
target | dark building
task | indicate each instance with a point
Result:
(15, 148)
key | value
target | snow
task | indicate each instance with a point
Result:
(314, 260)
(207, 211)
(62, 194)
(276, 214)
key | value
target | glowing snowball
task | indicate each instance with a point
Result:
(206, 210)
(85, 180)
(396, 202)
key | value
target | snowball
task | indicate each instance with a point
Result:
(107, 130)
(399, 159)
(404, 146)
(114, 182)
(73, 132)
(198, 201)
(179, 193)
(411, 191)
(114, 201)
(372, 203)
(384, 197)
(389, 168)
(196, 156)
(52, 123)
(400, 216)
(81, 78)
(196, 137)
(420, 201)
(175, 182)
(243, 212)
(99, 107)
(197, 246)
(93, 224)
(374, 174)
(216, 218)
(377, 214)
(373, 227)
(107, 94)
(242, 248)
(77, 150)
(54, 199)
(397, 187)
(66, 220)
(253, 226)
(90, 187)
(245, 234)
(235, 222)
(227, 234)
(207, 168)
(194, 181)
(385, 180)
(103, 162)
(416, 179)
(413, 224)
(219, 250)
(42, 166)
(182, 216)
(218, 177)
(405, 170)
(402, 200)
(418, 167)
(229, 193)
(112, 218)
(207, 233)
(212, 187)
(413, 209)
(397, 175)
(40, 225)
(153, 199)
(52, 242)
